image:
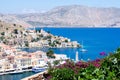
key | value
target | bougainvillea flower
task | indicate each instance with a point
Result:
(102, 53)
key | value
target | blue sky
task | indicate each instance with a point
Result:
(23, 6)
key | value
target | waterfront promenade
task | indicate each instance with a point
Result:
(37, 76)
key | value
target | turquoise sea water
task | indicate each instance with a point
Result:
(16, 76)
(95, 40)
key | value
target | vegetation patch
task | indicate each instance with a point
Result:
(107, 68)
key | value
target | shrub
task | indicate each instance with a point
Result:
(66, 40)
(3, 33)
(50, 54)
(56, 62)
(63, 74)
(107, 68)
(15, 31)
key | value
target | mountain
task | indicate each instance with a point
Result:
(12, 18)
(74, 16)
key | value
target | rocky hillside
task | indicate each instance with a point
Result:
(12, 18)
(75, 15)
(17, 36)
(13, 34)
(8, 27)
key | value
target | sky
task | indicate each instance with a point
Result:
(26, 6)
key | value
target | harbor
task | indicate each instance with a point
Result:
(38, 76)
(14, 60)
(93, 48)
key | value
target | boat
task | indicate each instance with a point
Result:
(27, 68)
(11, 71)
(38, 69)
(16, 72)
(2, 73)
(82, 48)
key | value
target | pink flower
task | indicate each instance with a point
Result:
(102, 53)
(48, 78)
(97, 65)
(97, 60)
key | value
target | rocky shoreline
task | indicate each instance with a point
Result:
(17, 36)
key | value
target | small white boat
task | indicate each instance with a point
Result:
(2, 73)
(16, 72)
(38, 69)
(11, 71)
(82, 48)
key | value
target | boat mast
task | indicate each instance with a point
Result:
(82, 45)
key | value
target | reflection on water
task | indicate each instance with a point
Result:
(16, 76)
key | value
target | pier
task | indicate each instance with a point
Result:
(38, 76)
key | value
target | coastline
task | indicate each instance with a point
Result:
(96, 48)
(33, 76)
(75, 27)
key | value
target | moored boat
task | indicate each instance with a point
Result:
(38, 69)
(17, 71)
(11, 71)
(82, 48)
(2, 73)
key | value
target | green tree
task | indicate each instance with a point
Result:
(56, 62)
(118, 50)
(2, 38)
(49, 37)
(26, 43)
(14, 24)
(3, 33)
(50, 54)
(63, 74)
(66, 40)
(16, 31)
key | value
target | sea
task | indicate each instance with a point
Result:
(94, 40)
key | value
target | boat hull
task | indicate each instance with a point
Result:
(38, 70)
